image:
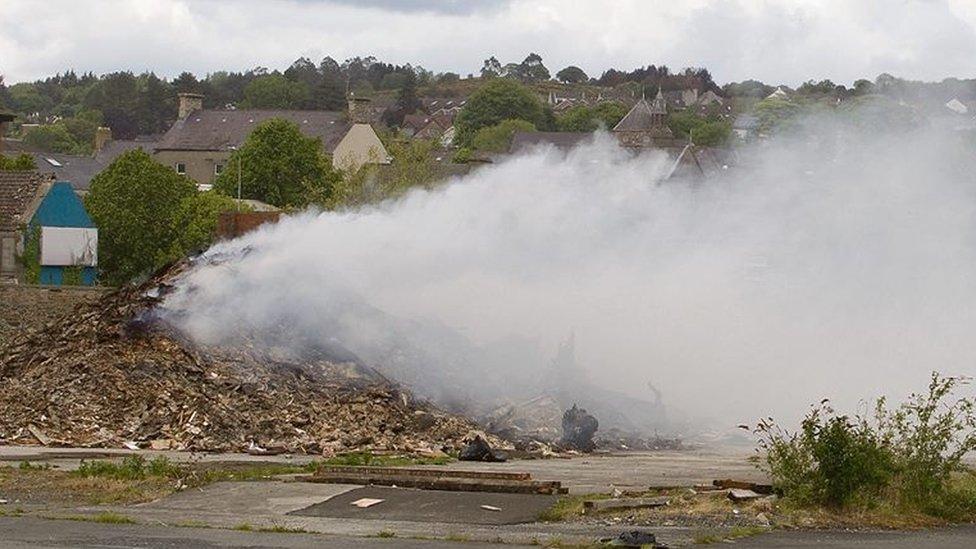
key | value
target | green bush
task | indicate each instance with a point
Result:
(910, 456)
(131, 468)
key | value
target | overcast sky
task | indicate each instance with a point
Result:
(777, 41)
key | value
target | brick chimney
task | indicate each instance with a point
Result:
(102, 136)
(358, 109)
(189, 102)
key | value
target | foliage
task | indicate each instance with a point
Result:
(706, 131)
(52, 138)
(134, 467)
(572, 75)
(413, 166)
(498, 138)
(275, 92)
(197, 220)
(462, 156)
(905, 456)
(577, 119)
(31, 256)
(72, 276)
(23, 162)
(279, 165)
(135, 202)
(747, 88)
(610, 113)
(775, 114)
(498, 100)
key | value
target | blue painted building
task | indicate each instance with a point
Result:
(68, 237)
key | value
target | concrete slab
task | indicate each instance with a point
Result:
(247, 498)
(404, 504)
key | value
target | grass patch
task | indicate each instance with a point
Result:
(243, 527)
(384, 534)
(736, 532)
(101, 518)
(568, 508)
(131, 468)
(281, 529)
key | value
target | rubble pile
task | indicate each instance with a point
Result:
(112, 374)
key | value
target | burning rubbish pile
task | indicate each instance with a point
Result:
(113, 373)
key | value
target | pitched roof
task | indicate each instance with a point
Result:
(18, 195)
(116, 148)
(61, 207)
(77, 170)
(641, 116)
(561, 140)
(216, 130)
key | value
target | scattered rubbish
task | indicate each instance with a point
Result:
(579, 428)
(4, 501)
(161, 444)
(737, 494)
(478, 449)
(634, 538)
(762, 519)
(764, 489)
(616, 492)
(617, 504)
(131, 445)
(491, 508)
(706, 488)
(256, 450)
(363, 503)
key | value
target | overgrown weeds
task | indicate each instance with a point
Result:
(132, 468)
(908, 458)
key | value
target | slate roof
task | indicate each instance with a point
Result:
(561, 140)
(217, 130)
(77, 170)
(18, 193)
(116, 148)
(640, 118)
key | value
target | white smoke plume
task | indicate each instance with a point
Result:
(842, 266)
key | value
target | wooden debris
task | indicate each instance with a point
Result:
(618, 504)
(114, 371)
(744, 485)
(436, 479)
(491, 508)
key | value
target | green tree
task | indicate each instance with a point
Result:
(280, 166)
(500, 99)
(572, 75)
(23, 162)
(197, 219)
(498, 138)
(532, 70)
(275, 92)
(610, 113)
(116, 96)
(577, 119)
(707, 132)
(492, 68)
(52, 138)
(135, 203)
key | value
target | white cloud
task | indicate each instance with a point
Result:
(774, 41)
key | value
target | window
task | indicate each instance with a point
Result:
(181, 168)
(218, 168)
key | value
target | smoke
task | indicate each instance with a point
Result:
(838, 264)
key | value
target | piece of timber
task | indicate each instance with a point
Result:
(443, 483)
(423, 472)
(617, 504)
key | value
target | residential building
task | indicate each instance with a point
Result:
(646, 125)
(201, 141)
(20, 194)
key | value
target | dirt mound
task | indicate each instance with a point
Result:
(112, 372)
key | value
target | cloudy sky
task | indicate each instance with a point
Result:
(777, 41)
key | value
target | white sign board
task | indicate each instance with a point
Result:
(69, 246)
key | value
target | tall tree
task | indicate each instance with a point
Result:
(135, 202)
(275, 92)
(407, 101)
(572, 75)
(116, 96)
(498, 100)
(155, 105)
(278, 165)
(532, 70)
(492, 68)
(186, 82)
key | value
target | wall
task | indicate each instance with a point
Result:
(30, 307)
(199, 164)
(234, 224)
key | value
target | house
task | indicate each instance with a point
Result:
(957, 106)
(21, 193)
(76, 169)
(33, 206)
(779, 93)
(745, 126)
(201, 141)
(646, 125)
(68, 237)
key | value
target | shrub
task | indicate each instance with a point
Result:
(906, 456)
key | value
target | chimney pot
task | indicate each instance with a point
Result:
(189, 102)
